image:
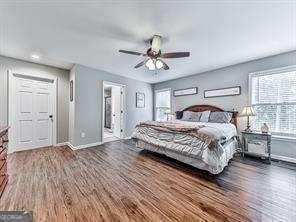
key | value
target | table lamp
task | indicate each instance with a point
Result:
(248, 111)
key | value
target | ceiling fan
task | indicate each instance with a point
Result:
(154, 57)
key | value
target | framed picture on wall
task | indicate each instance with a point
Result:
(230, 91)
(140, 100)
(71, 90)
(185, 92)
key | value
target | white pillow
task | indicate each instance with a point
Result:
(205, 116)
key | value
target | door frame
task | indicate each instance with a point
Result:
(104, 108)
(12, 100)
(123, 106)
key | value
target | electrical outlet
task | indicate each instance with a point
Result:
(82, 134)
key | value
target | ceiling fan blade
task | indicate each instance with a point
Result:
(131, 52)
(175, 55)
(165, 66)
(140, 64)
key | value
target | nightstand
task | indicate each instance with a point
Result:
(256, 144)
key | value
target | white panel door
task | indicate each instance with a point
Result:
(33, 110)
(43, 111)
(116, 110)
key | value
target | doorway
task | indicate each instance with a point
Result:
(32, 103)
(113, 111)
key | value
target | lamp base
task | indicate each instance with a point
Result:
(248, 129)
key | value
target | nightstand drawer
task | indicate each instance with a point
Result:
(257, 147)
(256, 144)
(256, 137)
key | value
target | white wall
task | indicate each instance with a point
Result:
(236, 75)
(33, 69)
(89, 101)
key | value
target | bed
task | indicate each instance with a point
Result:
(204, 144)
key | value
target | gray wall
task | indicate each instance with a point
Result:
(89, 99)
(226, 77)
(3, 96)
(33, 69)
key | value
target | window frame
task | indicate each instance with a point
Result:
(266, 73)
(161, 90)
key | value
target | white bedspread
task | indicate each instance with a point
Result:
(192, 145)
(224, 131)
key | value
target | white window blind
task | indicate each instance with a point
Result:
(273, 96)
(162, 104)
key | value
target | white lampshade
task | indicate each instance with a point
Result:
(248, 111)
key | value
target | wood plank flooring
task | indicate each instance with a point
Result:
(118, 182)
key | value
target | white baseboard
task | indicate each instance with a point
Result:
(70, 145)
(283, 158)
(83, 146)
(88, 145)
(12, 150)
(62, 144)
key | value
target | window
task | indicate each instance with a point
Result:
(162, 104)
(273, 96)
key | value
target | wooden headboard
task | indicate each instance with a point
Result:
(201, 108)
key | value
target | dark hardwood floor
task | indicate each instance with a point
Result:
(118, 182)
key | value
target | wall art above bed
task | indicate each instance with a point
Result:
(229, 91)
(186, 92)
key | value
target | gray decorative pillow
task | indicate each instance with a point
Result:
(186, 116)
(220, 117)
(191, 116)
(205, 116)
(195, 116)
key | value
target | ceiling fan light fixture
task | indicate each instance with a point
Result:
(156, 42)
(158, 64)
(154, 57)
(150, 64)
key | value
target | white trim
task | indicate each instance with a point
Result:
(124, 107)
(11, 102)
(88, 145)
(10, 106)
(70, 146)
(112, 83)
(283, 158)
(55, 112)
(62, 144)
(83, 146)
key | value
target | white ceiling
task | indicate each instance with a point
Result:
(217, 33)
